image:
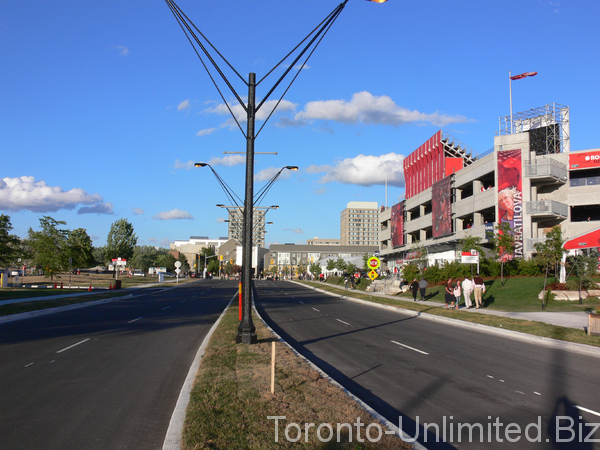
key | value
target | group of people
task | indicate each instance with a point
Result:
(468, 286)
(418, 287)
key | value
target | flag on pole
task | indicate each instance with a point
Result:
(523, 75)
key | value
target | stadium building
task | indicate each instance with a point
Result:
(529, 179)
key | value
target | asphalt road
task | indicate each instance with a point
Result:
(107, 376)
(473, 389)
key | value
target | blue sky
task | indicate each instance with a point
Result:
(104, 106)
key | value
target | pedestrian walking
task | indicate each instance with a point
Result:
(423, 287)
(346, 283)
(479, 290)
(467, 287)
(414, 288)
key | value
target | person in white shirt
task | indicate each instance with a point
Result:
(467, 287)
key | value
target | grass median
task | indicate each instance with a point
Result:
(231, 400)
(502, 299)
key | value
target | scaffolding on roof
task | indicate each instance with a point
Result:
(549, 124)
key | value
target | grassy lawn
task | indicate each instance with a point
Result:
(526, 326)
(231, 398)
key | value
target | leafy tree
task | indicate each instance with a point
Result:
(504, 245)
(99, 254)
(10, 244)
(121, 240)
(330, 264)
(549, 253)
(212, 266)
(411, 271)
(166, 260)
(585, 269)
(351, 269)
(204, 257)
(144, 257)
(340, 264)
(315, 269)
(79, 248)
(184, 264)
(48, 246)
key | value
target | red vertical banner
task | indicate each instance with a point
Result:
(397, 225)
(441, 207)
(510, 198)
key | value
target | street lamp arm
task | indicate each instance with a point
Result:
(267, 187)
(226, 188)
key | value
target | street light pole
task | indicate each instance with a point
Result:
(246, 330)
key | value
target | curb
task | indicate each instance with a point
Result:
(45, 312)
(582, 349)
(175, 429)
(369, 409)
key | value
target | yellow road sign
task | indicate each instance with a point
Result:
(373, 275)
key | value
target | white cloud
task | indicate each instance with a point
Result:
(184, 105)
(295, 230)
(99, 208)
(138, 211)
(364, 170)
(174, 214)
(267, 174)
(206, 132)
(368, 109)
(261, 114)
(24, 193)
(123, 51)
(220, 220)
(183, 165)
(228, 161)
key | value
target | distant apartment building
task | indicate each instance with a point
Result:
(235, 224)
(319, 241)
(194, 245)
(359, 224)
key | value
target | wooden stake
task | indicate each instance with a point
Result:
(273, 368)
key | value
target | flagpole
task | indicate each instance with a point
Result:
(510, 93)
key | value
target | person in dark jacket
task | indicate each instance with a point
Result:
(414, 288)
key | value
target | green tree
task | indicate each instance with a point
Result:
(167, 260)
(504, 245)
(549, 254)
(204, 257)
(351, 269)
(315, 269)
(585, 270)
(121, 240)
(340, 264)
(411, 271)
(79, 248)
(330, 264)
(10, 245)
(185, 267)
(99, 254)
(48, 246)
(144, 257)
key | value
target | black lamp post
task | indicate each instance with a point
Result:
(246, 330)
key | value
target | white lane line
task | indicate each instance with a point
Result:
(489, 376)
(135, 320)
(345, 323)
(183, 301)
(410, 348)
(536, 393)
(300, 301)
(587, 410)
(166, 307)
(30, 364)
(316, 310)
(74, 345)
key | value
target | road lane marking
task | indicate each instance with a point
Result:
(316, 310)
(301, 301)
(411, 348)
(536, 393)
(345, 323)
(135, 320)
(74, 345)
(30, 364)
(489, 376)
(166, 307)
(587, 410)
